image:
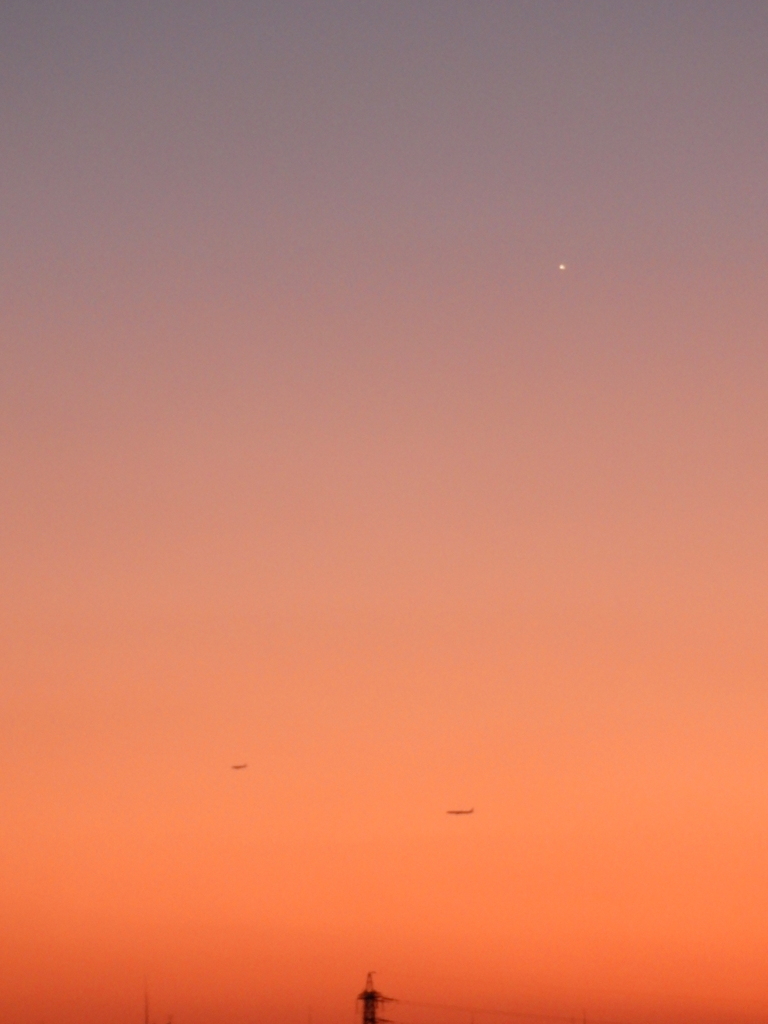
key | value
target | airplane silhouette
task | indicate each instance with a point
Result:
(237, 767)
(470, 811)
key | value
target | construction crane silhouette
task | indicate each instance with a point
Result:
(371, 1000)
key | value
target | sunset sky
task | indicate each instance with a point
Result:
(314, 458)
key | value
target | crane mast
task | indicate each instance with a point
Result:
(370, 1000)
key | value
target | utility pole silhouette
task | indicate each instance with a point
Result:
(370, 1000)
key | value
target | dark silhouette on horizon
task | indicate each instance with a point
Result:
(470, 810)
(238, 767)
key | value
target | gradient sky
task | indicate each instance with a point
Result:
(313, 458)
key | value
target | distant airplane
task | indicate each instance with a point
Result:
(237, 767)
(470, 811)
